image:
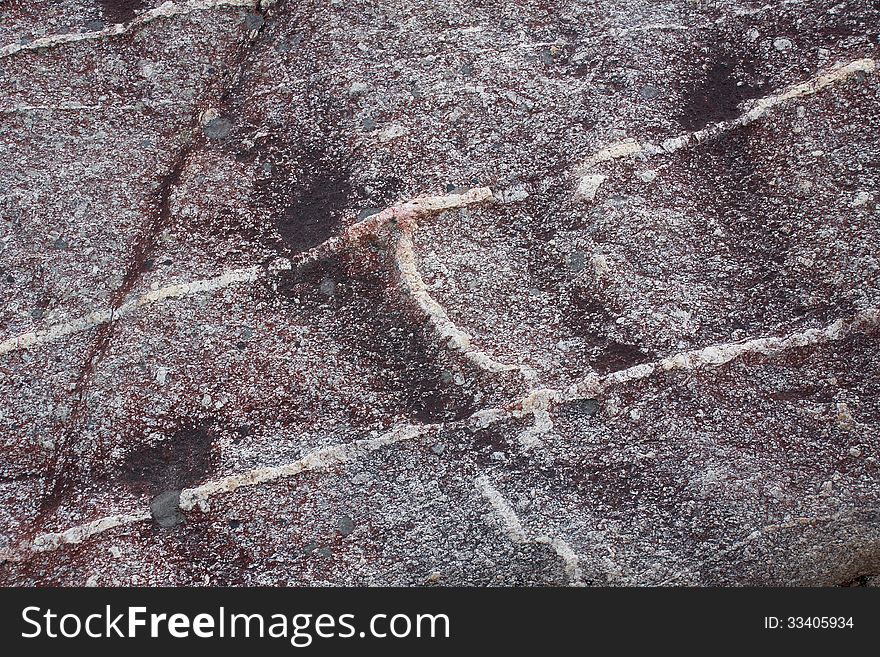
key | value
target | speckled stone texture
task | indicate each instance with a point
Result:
(453, 292)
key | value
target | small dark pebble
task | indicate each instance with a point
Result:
(60, 244)
(327, 287)
(254, 21)
(218, 128)
(94, 26)
(577, 261)
(345, 525)
(586, 406)
(165, 508)
(234, 524)
(649, 91)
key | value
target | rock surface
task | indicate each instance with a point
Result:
(492, 293)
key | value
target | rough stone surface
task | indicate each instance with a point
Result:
(214, 282)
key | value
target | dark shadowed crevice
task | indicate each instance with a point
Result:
(717, 93)
(185, 457)
(586, 316)
(860, 580)
(313, 216)
(375, 328)
(305, 199)
(120, 11)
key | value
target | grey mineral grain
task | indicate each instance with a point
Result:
(165, 508)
